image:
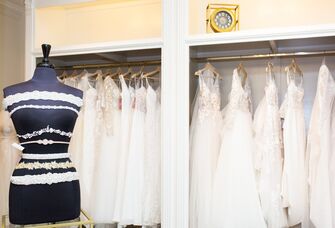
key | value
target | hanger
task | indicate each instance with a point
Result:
(241, 71)
(97, 73)
(63, 75)
(117, 73)
(74, 74)
(269, 71)
(128, 73)
(294, 67)
(108, 72)
(209, 67)
(82, 74)
(150, 75)
(324, 60)
(139, 73)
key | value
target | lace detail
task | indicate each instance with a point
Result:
(45, 130)
(239, 100)
(239, 96)
(112, 94)
(293, 99)
(99, 104)
(140, 95)
(112, 103)
(295, 96)
(42, 95)
(271, 94)
(268, 158)
(44, 107)
(45, 142)
(46, 165)
(45, 156)
(48, 178)
(209, 96)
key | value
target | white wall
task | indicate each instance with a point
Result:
(267, 13)
(12, 39)
(101, 21)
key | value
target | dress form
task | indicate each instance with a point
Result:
(44, 186)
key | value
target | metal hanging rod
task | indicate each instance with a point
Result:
(263, 56)
(109, 65)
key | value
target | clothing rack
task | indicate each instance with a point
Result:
(263, 56)
(110, 65)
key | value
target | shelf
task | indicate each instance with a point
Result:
(103, 47)
(302, 39)
(262, 35)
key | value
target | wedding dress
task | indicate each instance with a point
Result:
(126, 122)
(294, 180)
(9, 157)
(107, 151)
(88, 153)
(320, 149)
(235, 202)
(76, 143)
(205, 147)
(269, 160)
(134, 183)
(152, 156)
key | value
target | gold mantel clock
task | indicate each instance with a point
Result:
(222, 17)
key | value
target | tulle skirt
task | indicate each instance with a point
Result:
(205, 146)
(132, 208)
(235, 202)
(106, 172)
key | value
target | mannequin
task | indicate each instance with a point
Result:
(44, 186)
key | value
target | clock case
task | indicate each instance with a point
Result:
(214, 9)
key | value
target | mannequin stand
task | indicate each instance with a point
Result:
(85, 219)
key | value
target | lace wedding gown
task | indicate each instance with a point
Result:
(205, 147)
(294, 181)
(9, 157)
(235, 202)
(126, 122)
(152, 157)
(134, 182)
(269, 160)
(320, 149)
(107, 151)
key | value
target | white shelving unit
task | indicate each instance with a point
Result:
(177, 49)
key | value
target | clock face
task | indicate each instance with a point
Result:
(222, 20)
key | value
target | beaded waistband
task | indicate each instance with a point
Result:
(45, 156)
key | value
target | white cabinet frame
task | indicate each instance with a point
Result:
(175, 45)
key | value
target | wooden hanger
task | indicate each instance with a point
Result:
(117, 73)
(128, 73)
(242, 72)
(138, 74)
(97, 73)
(209, 67)
(294, 67)
(108, 72)
(74, 74)
(150, 75)
(269, 71)
(63, 75)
